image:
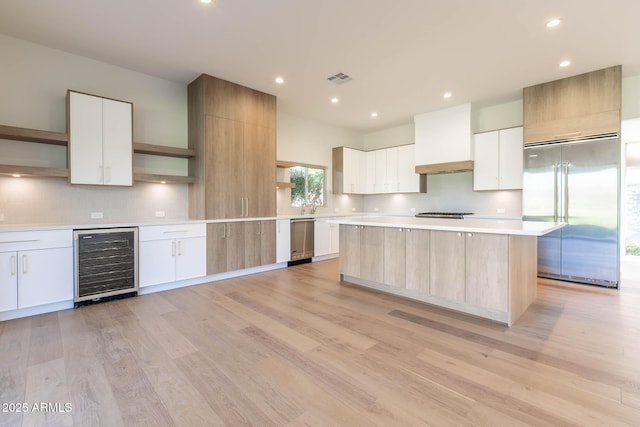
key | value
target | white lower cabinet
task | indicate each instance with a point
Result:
(172, 253)
(326, 237)
(36, 268)
(283, 240)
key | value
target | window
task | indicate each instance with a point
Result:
(309, 185)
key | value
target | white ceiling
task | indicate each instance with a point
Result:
(403, 55)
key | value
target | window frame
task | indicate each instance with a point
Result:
(308, 166)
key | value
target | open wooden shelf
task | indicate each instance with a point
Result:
(285, 164)
(163, 150)
(34, 171)
(167, 179)
(281, 184)
(33, 135)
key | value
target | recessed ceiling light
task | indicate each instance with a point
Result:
(565, 63)
(553, 23)
(374, 115)
(446, 95)
(279, 80)
(334, 100)
(205, 1)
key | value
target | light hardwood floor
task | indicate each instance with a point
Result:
(294, 347)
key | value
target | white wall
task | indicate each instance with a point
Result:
(399, 135)
(306, 141)
(33, 83)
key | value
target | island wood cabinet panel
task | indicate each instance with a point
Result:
(583, 105)
(394, 261)
(417, 260)
(36, 268)
(372, 253)
(233, 130)
(350, 252)
(172, 252)
(498, 161)
(447, 265)
(487, 270)
(100, 140)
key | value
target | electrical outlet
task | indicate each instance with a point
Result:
(353, 209)
(500, 210)
(412, 210)
(96, 215)
(159, 214)
(376, 209)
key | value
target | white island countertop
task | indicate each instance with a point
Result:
(522, 228)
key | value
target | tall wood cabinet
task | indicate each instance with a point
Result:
(233, 129)
(583, 105)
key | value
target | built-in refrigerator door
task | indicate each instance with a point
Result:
(590, 240)
(541, 194)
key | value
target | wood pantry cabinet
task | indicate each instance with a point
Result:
(36, 268)
(100, 140)
(169, 253)
(498, 160)
(578, 106)
(233, 129)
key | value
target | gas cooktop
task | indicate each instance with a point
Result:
(453, 215)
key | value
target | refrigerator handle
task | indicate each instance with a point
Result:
(555, 192)
(566, 192)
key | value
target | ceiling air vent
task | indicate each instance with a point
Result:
(340, 78)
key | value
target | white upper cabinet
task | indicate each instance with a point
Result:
(443, 136)
(100, 140)
(498, 160)
(370, 174)
(408, 180)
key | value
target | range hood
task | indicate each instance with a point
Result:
(443, 140)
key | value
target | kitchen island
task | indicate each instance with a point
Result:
(486, 268)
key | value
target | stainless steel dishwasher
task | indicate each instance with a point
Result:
(302, 239)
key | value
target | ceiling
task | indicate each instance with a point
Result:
(402, 55)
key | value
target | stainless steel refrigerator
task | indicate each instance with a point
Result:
(576, 182)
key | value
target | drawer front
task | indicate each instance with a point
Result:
(176, 231)
(28, 240)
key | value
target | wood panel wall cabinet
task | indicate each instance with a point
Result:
(169, 253)
(233, 130)
(578, 106)
(259, 243)
(100, 140)
(37, 268)
(447, 265)
(225, 247)
(498, 160)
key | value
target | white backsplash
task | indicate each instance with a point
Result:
(53, 201)
(451, 192)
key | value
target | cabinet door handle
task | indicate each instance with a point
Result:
(241, 206)
(25, 267)
(224, 231)
(179, 247)
(247, 204)
(259, 227)
(173, 248)
(13, 265)
(229, 231)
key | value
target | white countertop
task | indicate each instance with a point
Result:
(523, 228)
